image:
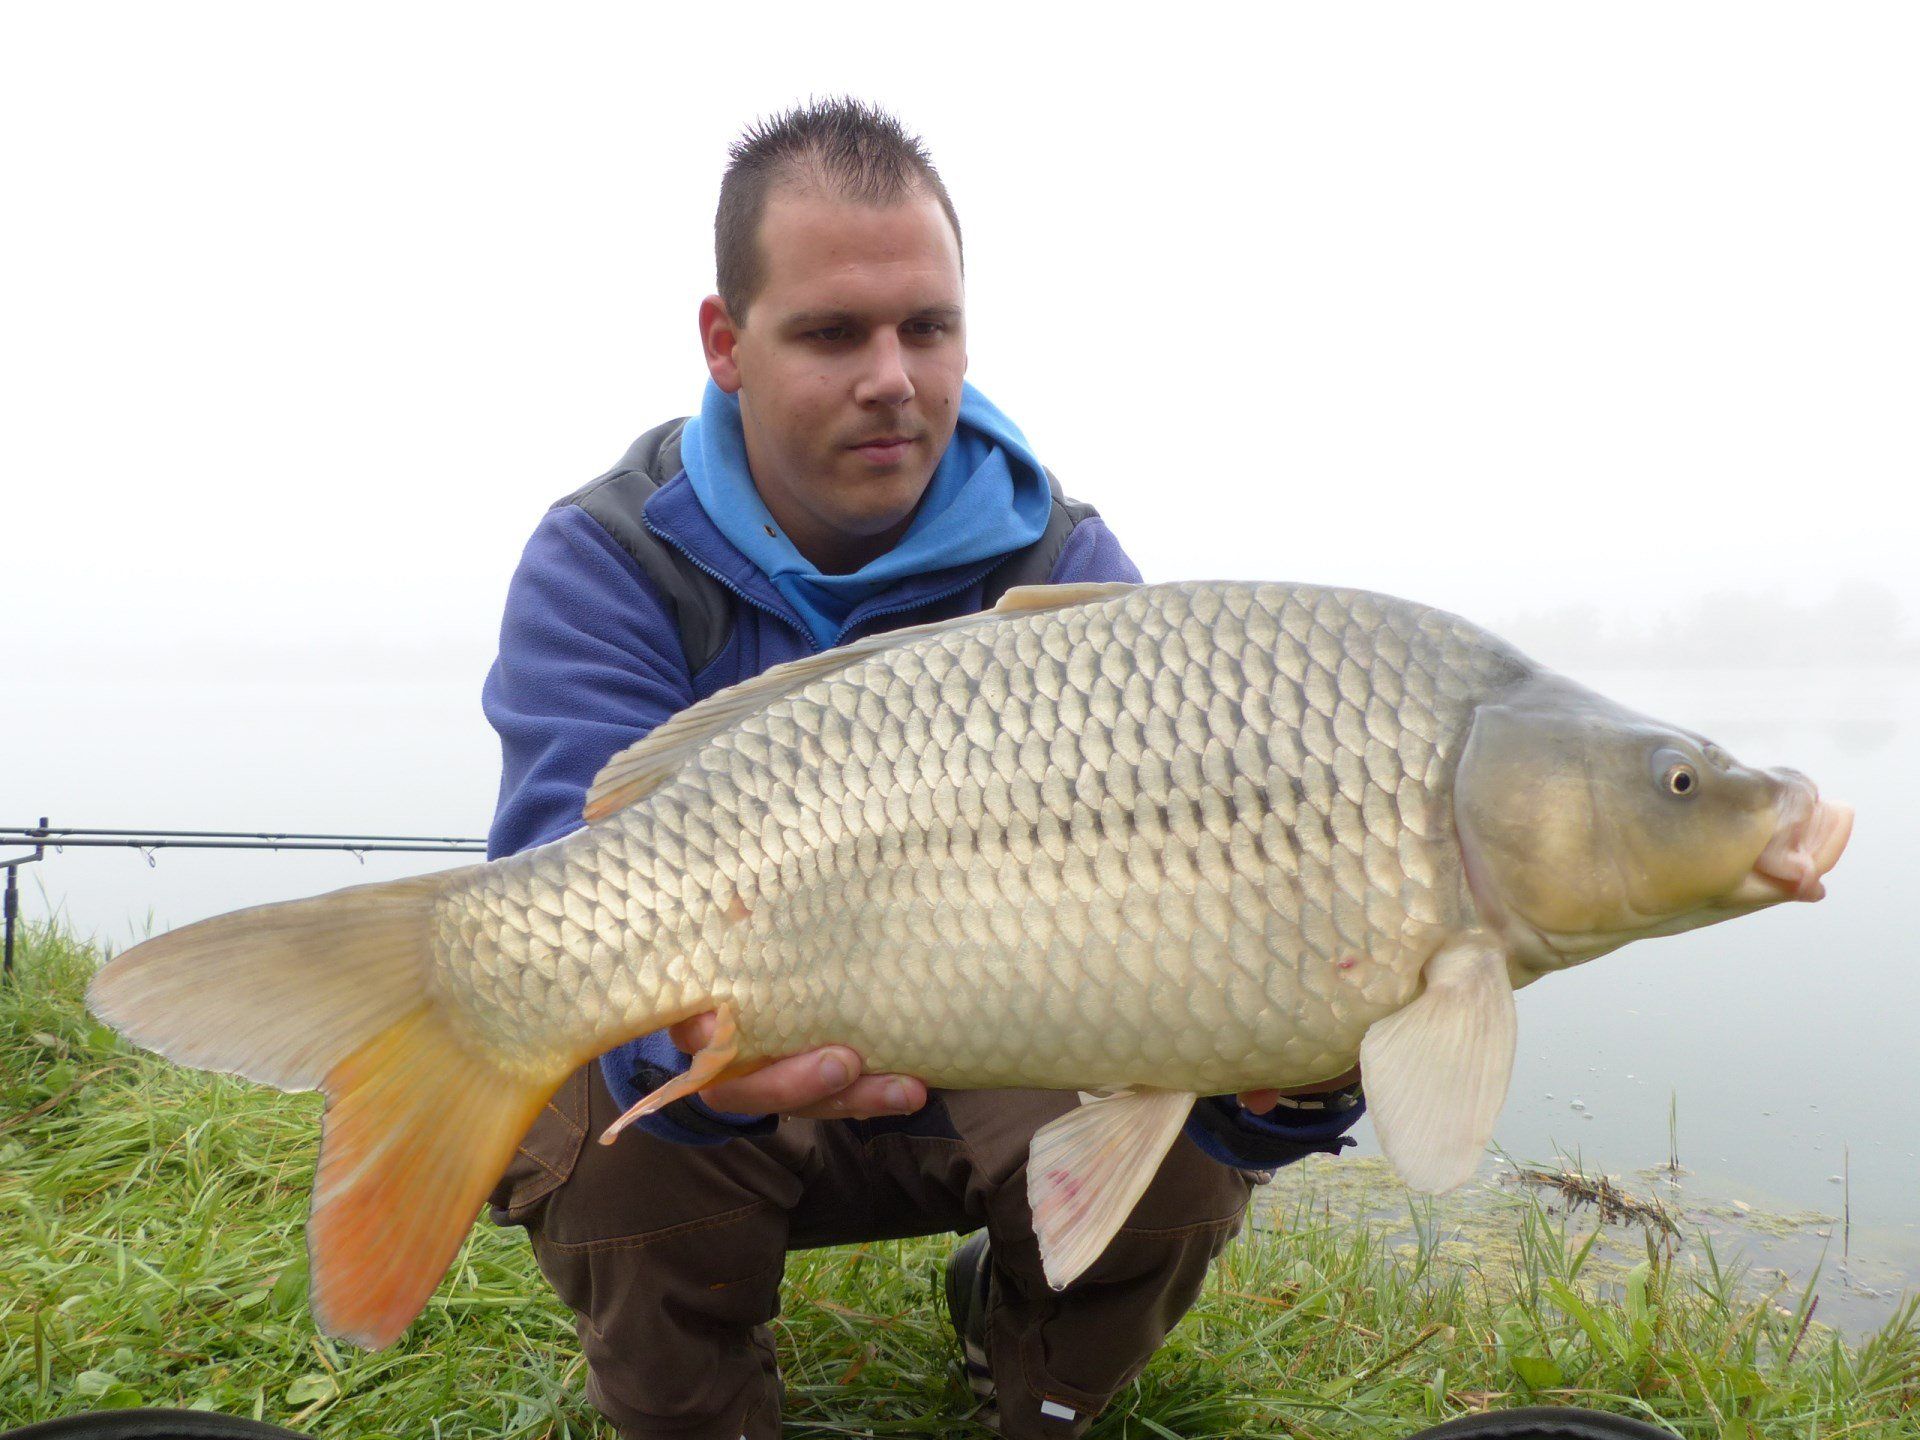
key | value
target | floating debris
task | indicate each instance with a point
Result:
(1613, 1203)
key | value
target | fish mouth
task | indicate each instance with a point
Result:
(1808, 843)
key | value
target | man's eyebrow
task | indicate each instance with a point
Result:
(808, 319)
(821, 317)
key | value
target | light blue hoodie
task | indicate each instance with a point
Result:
(988, 497)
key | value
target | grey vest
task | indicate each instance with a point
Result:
(702, 606)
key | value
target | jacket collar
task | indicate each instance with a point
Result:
(675, 514)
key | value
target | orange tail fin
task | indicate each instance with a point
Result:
(332, 994)
(414, 1138)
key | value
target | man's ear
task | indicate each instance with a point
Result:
(718, 336)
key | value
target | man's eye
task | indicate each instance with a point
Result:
(829, 333)
(927, 329)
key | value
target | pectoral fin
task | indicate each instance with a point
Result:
(1436, 1072)
(1088, 1169)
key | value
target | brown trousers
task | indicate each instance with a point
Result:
(671, 1256)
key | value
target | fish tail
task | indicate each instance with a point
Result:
(332, 993)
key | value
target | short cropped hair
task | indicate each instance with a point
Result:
(852, 150)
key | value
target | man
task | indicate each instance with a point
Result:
(840, 479)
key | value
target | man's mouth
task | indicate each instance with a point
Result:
(884, 449)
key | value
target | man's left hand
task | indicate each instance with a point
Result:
(1261, 1101)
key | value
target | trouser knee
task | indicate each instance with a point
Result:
(1059, 1352)
(670, 1258)
(674, 1329)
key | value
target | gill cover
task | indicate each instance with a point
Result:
(1593, 825)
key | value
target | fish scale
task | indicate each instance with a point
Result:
(1191, 836)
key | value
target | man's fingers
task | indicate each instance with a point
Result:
(691, 1036)
(821, 1084)
(869, 1096)
(787, 1085)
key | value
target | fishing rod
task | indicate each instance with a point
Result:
(43, 837)
(54, 835)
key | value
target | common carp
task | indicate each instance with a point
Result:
(1143, 842)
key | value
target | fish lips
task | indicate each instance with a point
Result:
(1806, 845)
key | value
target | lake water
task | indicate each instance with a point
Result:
(1786, 1039)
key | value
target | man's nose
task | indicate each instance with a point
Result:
(884, 379)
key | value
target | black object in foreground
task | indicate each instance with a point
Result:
(153, 1425)
(1536, 1422)
(1540, 1422)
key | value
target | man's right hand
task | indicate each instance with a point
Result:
(823, 1084)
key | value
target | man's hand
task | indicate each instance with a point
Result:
(823, 1084)
(1261, 1101)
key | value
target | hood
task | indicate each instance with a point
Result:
(988, 497)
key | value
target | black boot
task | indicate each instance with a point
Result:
(967, 1278)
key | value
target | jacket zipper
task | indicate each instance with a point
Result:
(806, 634)
(728, 585)
(933, 599)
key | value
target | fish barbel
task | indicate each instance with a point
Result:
(1153, 842)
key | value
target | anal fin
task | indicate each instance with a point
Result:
(1088, 1169)
(714, 1061)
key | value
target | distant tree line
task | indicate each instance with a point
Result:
(1861, 623)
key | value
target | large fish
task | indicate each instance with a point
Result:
(1148, 842)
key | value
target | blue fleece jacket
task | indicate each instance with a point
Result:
(590, 661)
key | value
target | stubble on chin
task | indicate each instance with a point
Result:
(871, 504)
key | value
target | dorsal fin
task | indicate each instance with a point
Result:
(1059, 597)
(644, 766)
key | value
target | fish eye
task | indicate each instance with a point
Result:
(1682, 779)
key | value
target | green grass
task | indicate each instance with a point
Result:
(151, 1253)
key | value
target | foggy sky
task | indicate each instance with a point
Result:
(1522, 310)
